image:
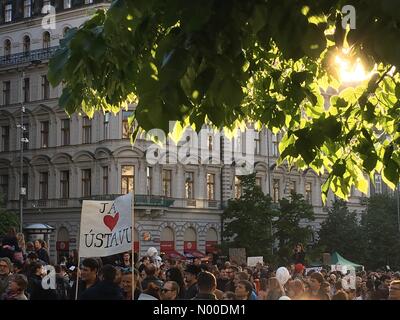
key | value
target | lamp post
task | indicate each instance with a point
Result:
(22, 190)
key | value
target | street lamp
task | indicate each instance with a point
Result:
(22, 190)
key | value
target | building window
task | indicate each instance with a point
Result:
(210, 143)
(166, 176)
(126, 132)
(45, 88)
(308, 192)
(65, 132)
(8, 13)
(86, 182)
(6, 92)
(26, 89)
(257, 143)
(88, 1)
(292, 186)
(64, 184)
(4, 187)
(275, 144)
(106, 126)
(149, 184)
(258, 181)
(46, 40)
(378, 183)
(189, 192)
(25, 180)
(105, 180)
(67, 4)
(66, 29)
(127, 179)
(7, 49)
(43, 185)
(44, 133)
(210, 186)
(25, 135)
(238, 188)
(26, 44)
(5, 138)
(27, 8)
(276, 193)
(87, 130)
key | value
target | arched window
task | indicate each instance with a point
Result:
(27, 44)
(7, 48)
(66, 29)
(46, 40)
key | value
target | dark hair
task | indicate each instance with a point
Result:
(34, 266)
(318, 276)
(206, 281)
(234, 268)
(230, 295)
(248, 286)
(108, 273)
(12, 232)
(338, 285)
(175, 274)
(91, 263)
(150, 270)
(32, 256)
(340, 296)
(21, 281)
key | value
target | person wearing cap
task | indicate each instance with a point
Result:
(298, 271)
(191, 273)
(5, 273)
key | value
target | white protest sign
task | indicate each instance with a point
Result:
(252, 261)
(315, 269)
(106, 227)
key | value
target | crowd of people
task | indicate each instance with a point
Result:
(23, 271)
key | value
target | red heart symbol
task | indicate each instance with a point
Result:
(111, 221)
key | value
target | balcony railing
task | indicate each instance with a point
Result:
(141, 200)
(25, 57)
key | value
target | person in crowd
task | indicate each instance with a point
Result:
(41, 251)
(231, 271)
(16, 289)
(275, 289)
(245, 276)
(175, 274)
(326, 287)
(191, 273)
(222, 280)
(36, 289)
(298, 271)
(152, 292)
(137, 285)
(10, 245)
(206, 284)
(5, 274)
(89, 278)
(126, 261)
(299, 256)
(106, 288)
(229, 295)
(62, 282)
(30, 248)
(262, 293)
(316, 291)
(383, 289)
(170, 291)
(340, 295)
(296, 289)
(150, 271)
(21, 245)
(126, 285)
(243, 290)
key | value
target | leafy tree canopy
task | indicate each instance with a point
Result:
(228, 63)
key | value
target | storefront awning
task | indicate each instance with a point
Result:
(174, 255)
(194, 254)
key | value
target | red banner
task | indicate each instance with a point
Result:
(136, 246)
(211, 246)
(189, 246)
(62, 246)
(166, 246)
